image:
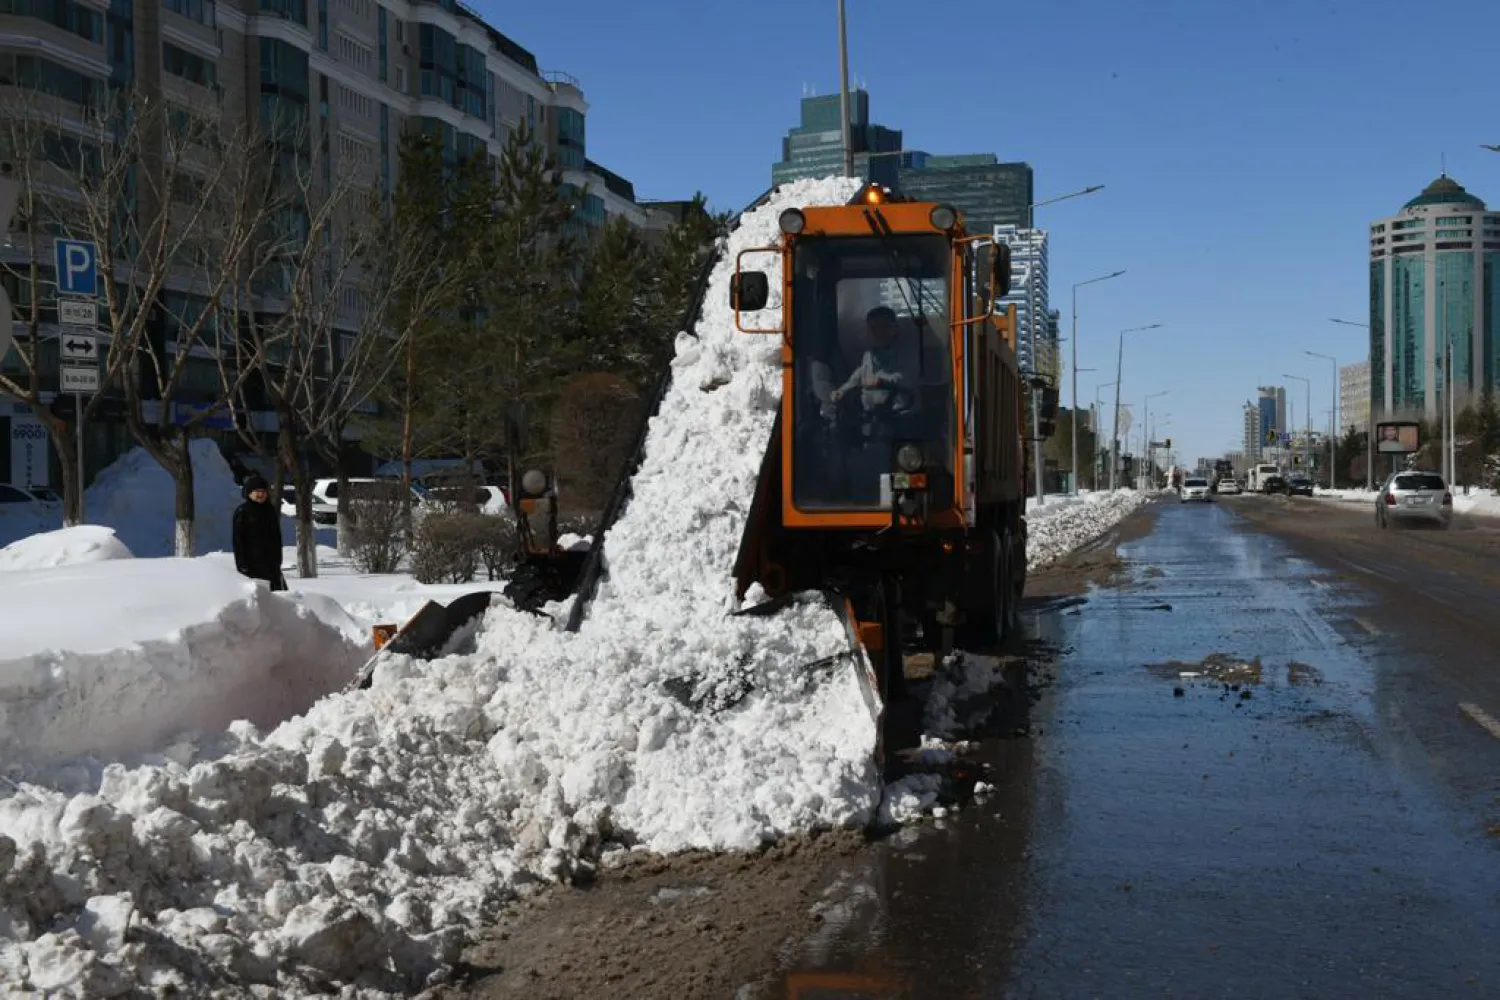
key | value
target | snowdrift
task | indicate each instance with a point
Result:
(1063, 524)
(84, 544)
(184, 645)
(135, 496)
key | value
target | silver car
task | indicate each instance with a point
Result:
(1194, 488)
(1414, 497)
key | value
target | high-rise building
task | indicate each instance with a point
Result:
(1354, 397)
(350, 75)
(1434, 284)
(1028, 290)
(1272, 405)
(815, 148)
(988, 193)
(1253, 439)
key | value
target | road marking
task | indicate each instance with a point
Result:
(1318, 583)
(1479, 715)
(1362, 623)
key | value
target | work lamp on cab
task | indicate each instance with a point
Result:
(909, 458)
(534, 482)
(943, 217)
(793, 221)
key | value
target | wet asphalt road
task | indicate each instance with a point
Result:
(1322, 822)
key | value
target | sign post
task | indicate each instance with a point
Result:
(78, 315)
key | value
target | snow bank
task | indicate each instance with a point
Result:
(66, 547)
(1063, 524)
(135, 496)
(153, 648)
(385, 822)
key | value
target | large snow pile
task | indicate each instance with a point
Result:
(136, 496)
(1063, 524)
(356, 843)
(86, 543)
(153, 648)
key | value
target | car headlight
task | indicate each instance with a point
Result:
(909, 458)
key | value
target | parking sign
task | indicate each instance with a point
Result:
(77, 267)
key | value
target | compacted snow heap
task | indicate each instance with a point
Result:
(87, 543)
(356, 844)
(159, 647)
(1063, 524)
(136, 496)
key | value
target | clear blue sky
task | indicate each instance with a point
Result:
(1244, 147)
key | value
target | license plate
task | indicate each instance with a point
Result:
(1415, 501)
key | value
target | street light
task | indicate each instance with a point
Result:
(1114, 432)
(1146, 426)
(1036, 402)
(844, 93)
(1098, 451)
(1369, 418)
(1074, 351)
(1307, 439)
(1333, 438)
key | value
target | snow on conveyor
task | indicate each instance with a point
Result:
(384, 823)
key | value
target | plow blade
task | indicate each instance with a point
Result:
(426, 633)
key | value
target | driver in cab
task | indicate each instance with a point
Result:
(883, 367)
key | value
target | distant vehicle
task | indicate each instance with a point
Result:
(1299, 485)
(1258, 476)
(1273, 483)
(1194, 488)
(1414, 497)
(1229, 487)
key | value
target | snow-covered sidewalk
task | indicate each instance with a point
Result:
(1481, 503)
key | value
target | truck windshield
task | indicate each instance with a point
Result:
(872, 367)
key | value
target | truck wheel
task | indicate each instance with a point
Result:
(1010, 584)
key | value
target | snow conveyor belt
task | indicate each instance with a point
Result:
(358, 845)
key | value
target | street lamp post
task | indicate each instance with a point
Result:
(1369, 416)
(844, 93)
(1073, 350)
(1036, 402)
(1333, 440)
(1114, 433)
(1146, 426)
(1307, 435)
(1098, 451)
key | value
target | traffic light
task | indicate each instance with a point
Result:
(1169, 444)
(1296, 459)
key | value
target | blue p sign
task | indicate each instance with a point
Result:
(77, 270)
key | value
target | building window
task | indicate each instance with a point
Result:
(197, 11)
(356, 54)
(570, 139)
(292, 10)
(354, 154)
(323, 25)
(47, 77)
(361, 9)
(189, 66)
(385, 150)
(65, 14)
(355, 104)
(380, 31)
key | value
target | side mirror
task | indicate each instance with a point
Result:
(1000, 272)
(749, 291)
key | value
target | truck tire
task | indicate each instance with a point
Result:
(991, 619)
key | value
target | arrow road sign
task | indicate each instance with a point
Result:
(77, 312)
(79, 347)
(80, 380)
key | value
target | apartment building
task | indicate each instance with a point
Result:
(357, 72)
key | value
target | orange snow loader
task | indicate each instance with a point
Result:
(894, 477)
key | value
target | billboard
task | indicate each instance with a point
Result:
(1396, 438)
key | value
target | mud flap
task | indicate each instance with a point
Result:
(426, 632)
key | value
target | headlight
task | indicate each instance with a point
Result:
(793, 221)
(908, 458)
(534, 482)
(943, 217)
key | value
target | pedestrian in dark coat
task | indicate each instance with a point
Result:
(257, 534)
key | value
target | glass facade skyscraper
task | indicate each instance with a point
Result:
(988, 193)
(1433, 286)
(815, 148)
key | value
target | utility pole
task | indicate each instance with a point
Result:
(1114, 460)
(1074, 349)
(844, 92)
